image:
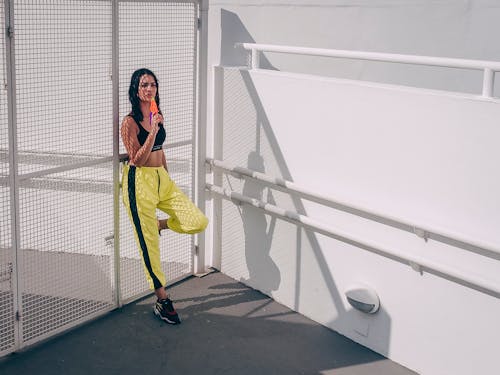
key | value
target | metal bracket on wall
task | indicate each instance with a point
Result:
(421, 233)
(416, 267)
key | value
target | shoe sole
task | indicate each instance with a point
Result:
(157, 313)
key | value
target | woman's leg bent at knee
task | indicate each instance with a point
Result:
(185, 217)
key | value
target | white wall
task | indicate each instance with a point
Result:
(421, 155)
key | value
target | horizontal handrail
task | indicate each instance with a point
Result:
(415, 262)
(64, 168)
(88, 162)
(488, 67)
(376, 56)
(422, 231)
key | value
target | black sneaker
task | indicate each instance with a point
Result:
(164, 309)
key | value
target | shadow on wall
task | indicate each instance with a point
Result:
(264, 274)
(233, 31)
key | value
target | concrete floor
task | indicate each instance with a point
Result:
(227, 329)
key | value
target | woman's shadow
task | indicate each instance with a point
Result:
(264, 275)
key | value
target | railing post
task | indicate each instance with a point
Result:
(255, 58)
(199, 265)
(488, 82)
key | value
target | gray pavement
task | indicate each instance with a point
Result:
(227, 328)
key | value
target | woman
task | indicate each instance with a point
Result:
(146, 186)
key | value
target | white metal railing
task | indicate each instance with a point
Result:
(488, 67)
(418, 229)
(417, 263)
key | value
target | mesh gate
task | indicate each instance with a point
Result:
(60, 205)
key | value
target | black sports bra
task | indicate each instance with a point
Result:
(160, 136)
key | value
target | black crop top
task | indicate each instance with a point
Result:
(160, 136)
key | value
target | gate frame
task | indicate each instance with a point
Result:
(198, 159)
(13, 172)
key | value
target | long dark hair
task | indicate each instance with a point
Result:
(133, 91)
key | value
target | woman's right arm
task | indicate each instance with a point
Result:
(137, 154)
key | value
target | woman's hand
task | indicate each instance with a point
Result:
(155, 121)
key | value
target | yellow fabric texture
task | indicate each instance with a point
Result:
(144, 189)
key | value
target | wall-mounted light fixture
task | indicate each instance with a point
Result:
(363, 298)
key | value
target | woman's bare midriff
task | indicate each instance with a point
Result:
(155, 159)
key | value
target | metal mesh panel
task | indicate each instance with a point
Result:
(4, 141)
(161, 36)
(64, 116)
(4, 127)
(6, 273)
(6, 253)
(67, 219)
(63, 66)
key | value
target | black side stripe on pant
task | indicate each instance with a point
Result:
(137, 224)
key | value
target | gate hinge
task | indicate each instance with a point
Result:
(208, 168)
(199, 23)
(9, 31)
(196, 249)
(109, 239)
(18, 316)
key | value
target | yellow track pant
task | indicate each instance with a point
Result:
(144, 189)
